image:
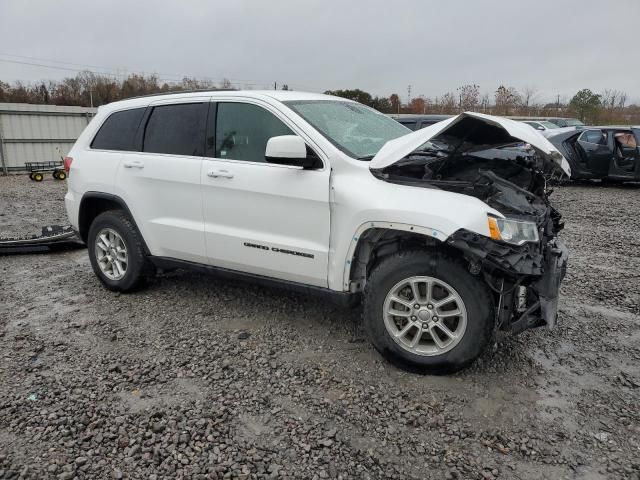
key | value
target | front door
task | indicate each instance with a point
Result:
(594, 149)
(262, 218)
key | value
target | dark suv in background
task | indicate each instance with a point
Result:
(416, 122)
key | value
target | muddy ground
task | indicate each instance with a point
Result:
(196, 377)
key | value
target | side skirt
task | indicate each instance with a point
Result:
(343, 299)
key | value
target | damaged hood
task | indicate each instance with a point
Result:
(399, 148)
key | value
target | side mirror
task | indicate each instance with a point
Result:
(539, 127)
(290, 150)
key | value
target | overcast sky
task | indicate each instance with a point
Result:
(380, 46)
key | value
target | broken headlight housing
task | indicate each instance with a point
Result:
(512, 231)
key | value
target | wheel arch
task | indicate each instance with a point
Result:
(95, 203)
(373, 241)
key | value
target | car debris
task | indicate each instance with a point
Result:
(53, 237)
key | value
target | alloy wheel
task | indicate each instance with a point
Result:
(111, 254)
(425, 315)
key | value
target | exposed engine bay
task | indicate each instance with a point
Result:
(476, 158)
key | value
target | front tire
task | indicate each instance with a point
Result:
(116, 252)
(424, 311)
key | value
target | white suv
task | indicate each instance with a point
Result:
(446, 233)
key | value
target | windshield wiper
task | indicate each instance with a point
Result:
(366, 157)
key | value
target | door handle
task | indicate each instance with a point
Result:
(219, 173)
(133, 164)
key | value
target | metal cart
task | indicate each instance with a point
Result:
(38, 170)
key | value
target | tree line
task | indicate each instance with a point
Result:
(87, 89)
(608, 107)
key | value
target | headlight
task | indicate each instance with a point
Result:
(512, 231)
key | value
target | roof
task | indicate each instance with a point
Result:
(280, 95)
(609, 127)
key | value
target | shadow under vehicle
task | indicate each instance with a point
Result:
(603, 153)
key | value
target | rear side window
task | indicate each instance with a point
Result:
(242, 131)
(176, 129)
(118, 132)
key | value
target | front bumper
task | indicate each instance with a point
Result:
(547, 287)
(525, 279)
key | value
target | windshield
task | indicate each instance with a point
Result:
(357, 130)
(549, 125)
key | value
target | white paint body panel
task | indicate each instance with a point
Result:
(184, 213)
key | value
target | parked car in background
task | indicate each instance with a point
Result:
(446, 233)
(541, 125)
(547, 129)
(566, 122)
(605, 153)
(416, 122)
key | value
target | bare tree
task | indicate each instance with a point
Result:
(418, 105)
(394, 99)
(622, 100)
(448, 103)
(507, 99)
(529, 95)
(469, 96)
(484, 103)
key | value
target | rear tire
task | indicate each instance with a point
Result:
(37, 177)
(427, 337)
(116, 251)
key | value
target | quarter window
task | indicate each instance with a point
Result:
(118, 132)
(176, 129)
(242, 131)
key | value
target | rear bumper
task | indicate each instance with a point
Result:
(525, 279)
(72, 205)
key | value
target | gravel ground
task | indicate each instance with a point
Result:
(199, 378)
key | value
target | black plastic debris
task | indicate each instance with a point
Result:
(52, 238)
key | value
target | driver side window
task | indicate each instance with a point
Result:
(242, 131)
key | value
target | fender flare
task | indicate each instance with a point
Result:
(428, 232)
(90, 195)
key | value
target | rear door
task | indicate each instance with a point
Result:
(262, 218)
(96, 168)
(161, 183)
(595, 151)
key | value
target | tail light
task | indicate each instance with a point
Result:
(67, 163)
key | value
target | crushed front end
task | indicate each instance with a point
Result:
(525, 279)
(523, 260)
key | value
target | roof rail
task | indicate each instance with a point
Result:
(176, 92)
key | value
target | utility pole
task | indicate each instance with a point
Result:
(408, 95)
(275, 85)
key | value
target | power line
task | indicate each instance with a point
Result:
(165, 77)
